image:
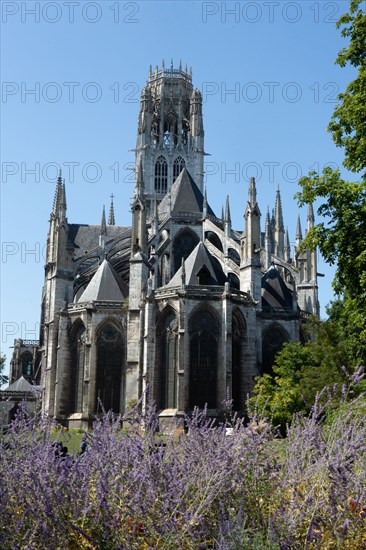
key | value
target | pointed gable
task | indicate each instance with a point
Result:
(200, 268)
(22, 385)
(184, 197)
(104, 286)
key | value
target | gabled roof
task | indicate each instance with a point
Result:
(275, 293)
(105, 285)
(184, 197)
(22, 385)
(200, 258)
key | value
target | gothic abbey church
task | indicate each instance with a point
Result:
(180, 308)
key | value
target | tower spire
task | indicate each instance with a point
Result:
(227, 211)
(227, 224)
(287, 247)
(252, 193)
(250, 266)
(268, 239)
(298, 232)
(103, 225)
(56, 200)
(111, 218)
(279, 236)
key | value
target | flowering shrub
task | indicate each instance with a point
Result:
(208, 488)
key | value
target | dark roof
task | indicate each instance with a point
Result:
(85, 238)
(200, 258)
(184, 197)
(106, 285)
(22, 385)
(275, 293)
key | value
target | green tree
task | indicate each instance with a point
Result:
(341, 236)
(3, 378)
(280, 395)
(348, 124)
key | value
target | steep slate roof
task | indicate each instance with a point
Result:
(22, 385)
(198, 258)
(86, 237)
(275, 293)
(184, 197)
(105, 285)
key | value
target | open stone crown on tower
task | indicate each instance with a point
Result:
(180, 308)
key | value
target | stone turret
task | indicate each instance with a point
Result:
(170, 132)
(250, 267)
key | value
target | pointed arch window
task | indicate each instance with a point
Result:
(169, 363)
(170, 131)
(183, 245)
(237, 356)
(273, 340)
(178, 166)
(161, 175)
(203, 357)
(27, 364)
(77, 368)
(109, 369)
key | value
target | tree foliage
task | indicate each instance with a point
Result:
(302, 371)
(341, 235)
(348, 124)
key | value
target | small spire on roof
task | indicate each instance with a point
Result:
(298, 231)
(252, 194)
(287, 248)
(227, 211)
(111, 218)
(103, 225)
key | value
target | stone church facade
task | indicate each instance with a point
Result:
(179, 308)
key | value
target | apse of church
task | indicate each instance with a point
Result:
(180, 308)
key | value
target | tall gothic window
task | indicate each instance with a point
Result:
(170, 131)
(77, 369)
(27, 364)
(178, 166)
(161, 175)
(168, 363)
(273, 340)
(203, 360)
(183, 245)
(109, 369)
(238, 328)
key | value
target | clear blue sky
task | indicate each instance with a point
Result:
(87, 63)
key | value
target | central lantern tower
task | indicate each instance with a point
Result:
(170, 132)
